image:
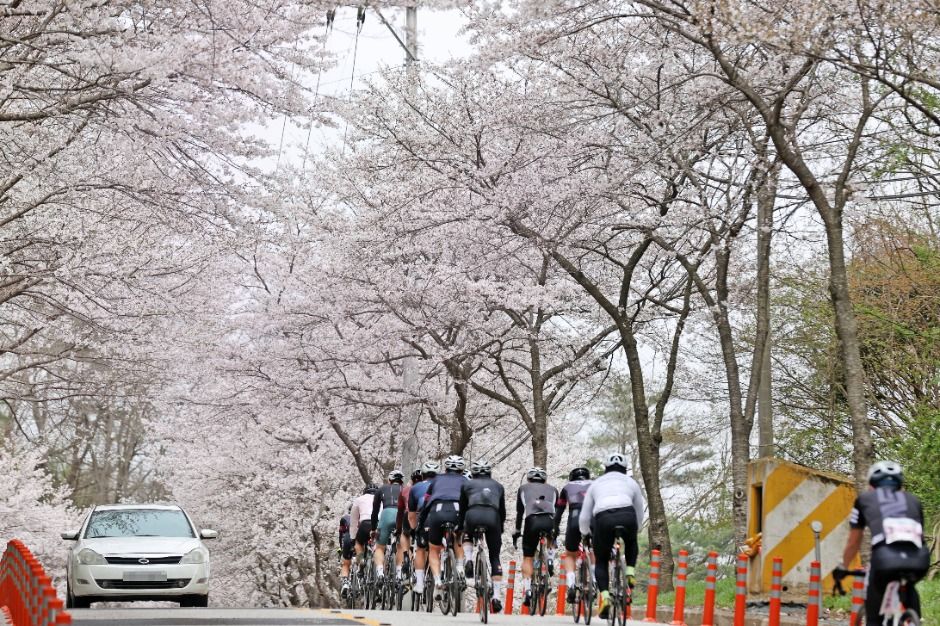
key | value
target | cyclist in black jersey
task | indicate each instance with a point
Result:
(572, 497)
(535, 512)
(483, 504)
(346, 553)
(441, 506)
(895, 518)
(384, 514)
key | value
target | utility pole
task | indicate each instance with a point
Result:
(411, 33)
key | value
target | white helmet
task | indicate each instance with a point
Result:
(454, 463)
(885, 471)
(615, 460)
(481, 467)
(396, 475)
(537, 474)
(431, 467)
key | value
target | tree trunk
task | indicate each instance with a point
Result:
(539, 412)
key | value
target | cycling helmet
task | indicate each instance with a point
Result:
(537, 474)
(454, 463)
(481, 468)
(616, 461)
(885, 474)
(467, 474)
(416, 475)
(579, 473)
(370, 488)
(396, 476)
(430, 469)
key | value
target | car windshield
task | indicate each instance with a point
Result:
(138, 523)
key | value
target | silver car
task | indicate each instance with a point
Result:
(138, 552)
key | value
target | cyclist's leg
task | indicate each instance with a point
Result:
(530, 542)
(386, 527)
(421, 559)
(603, 543)
(631, 546)
(910, 598)
(877, 583)
(435, 543)
(572, 542)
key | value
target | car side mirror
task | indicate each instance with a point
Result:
(70, 535)
(208, 533)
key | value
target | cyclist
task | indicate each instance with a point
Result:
(360, 518)
(384, 513)
(612, 500)
(346, 553)
(441, 506)
(483, 504)
(535, 510)
(404, 539)
(895, 518)
(572, 497)
(415, 501)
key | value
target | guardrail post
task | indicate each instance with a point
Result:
(652, 591)
(775, 589)
(740, 591)
(562, 590)
(678, 611)
(510, 588)
(812, 609)
(711, 577)
(858, 599)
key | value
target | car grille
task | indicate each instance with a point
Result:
(135, 560)
(173, 583)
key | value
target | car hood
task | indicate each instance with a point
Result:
(115, 546)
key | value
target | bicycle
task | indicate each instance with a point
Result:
(388, 589)
(356, 576)
(901, 616)
(482, 579)
(404, 583)
(450, 578)
(370, 582)
(621, 594)
(541, 578)
(585, 590)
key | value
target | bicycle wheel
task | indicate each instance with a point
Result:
(481, 572)
(455, 586)
(447, 572)
(908, 618)
(588, 594)
(428, 590)
(401, 586)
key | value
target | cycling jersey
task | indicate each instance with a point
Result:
(386, 498)
(361, 512)
(483, 492)
(535, 499)
(572, 497)
(445, 488)
(609, 492)
(416, 496)
(402, 507)
(899, 508)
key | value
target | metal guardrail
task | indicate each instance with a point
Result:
(27, 597)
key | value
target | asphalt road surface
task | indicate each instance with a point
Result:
(297, 617)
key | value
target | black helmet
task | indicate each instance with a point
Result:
(370, 488)
(416, 475)
(579, 473)
(536, 475)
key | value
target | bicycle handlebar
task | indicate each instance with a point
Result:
(839, 574)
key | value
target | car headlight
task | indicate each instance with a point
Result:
(90, 557)
(195, 557)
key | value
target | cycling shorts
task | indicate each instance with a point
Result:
(487, 518)
(363, 532)
(387, 521)
(442, 512)
(534, 525)
(573, 531)
(347, 548)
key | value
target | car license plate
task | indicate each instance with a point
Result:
(141, 576)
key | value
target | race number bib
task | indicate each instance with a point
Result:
(902, 529)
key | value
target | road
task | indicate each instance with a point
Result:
(296, 617)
